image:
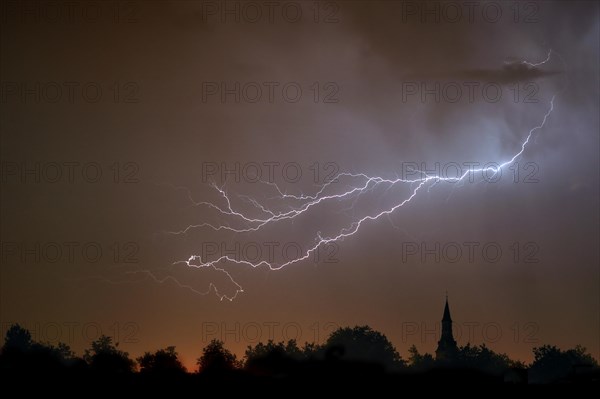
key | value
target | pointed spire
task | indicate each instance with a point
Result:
(447, 348)
(446, 310)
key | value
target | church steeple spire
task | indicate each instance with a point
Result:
(447, 311)
(447, 348)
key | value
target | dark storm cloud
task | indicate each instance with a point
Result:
(430, 45)
(509, 73)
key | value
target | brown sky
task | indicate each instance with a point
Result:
(155, 124)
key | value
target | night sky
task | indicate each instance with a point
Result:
(118, 117)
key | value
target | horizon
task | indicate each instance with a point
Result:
(426, 343)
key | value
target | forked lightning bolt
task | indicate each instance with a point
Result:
(305, 203)
(195, 261)
(536, 64)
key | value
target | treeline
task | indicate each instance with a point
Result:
(358, 351)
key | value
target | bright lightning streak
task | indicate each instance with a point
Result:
(304, 203)
(317, 199)
(195, 261)
(538, 63)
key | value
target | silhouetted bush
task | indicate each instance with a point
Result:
(364, 344)
(215, 358)
(162, 361)
(104, 357)
(552, 364)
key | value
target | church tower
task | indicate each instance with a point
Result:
(447, 349)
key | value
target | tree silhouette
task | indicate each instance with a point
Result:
(20, 352)
(103, 356)
(215, 358)
(483, 359)
(260, 350)
(311, 350)
(420, 362)
(362, 343)
(552, 364)
(349, 353)
(17, 338)
(64, 351)
(273, 358)
(162, 361)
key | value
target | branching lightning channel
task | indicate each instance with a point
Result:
(195, 261)
(296, 205)
(537, 64)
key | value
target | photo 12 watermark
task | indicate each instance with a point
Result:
(471, 172)
(254, 331)
(468, 92)
(270, 172)
(72, 12)
(472, 332)
(271, 252)
(69, 252)
(269, 12)
(69, 172)
(469, 252)
(69, 92)
(73, 332)
(468, 12)
(270, 92)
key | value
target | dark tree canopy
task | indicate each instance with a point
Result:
(162, 361)
(552, 364)
(20, 352)
(260, 350)
(362, 343)
(420, 362)
(215, 357)
(349, 353)
(104, 356)
(275, 357)
(484, 359)
(17, 339)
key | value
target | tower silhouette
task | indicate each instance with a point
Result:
(447, 348)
